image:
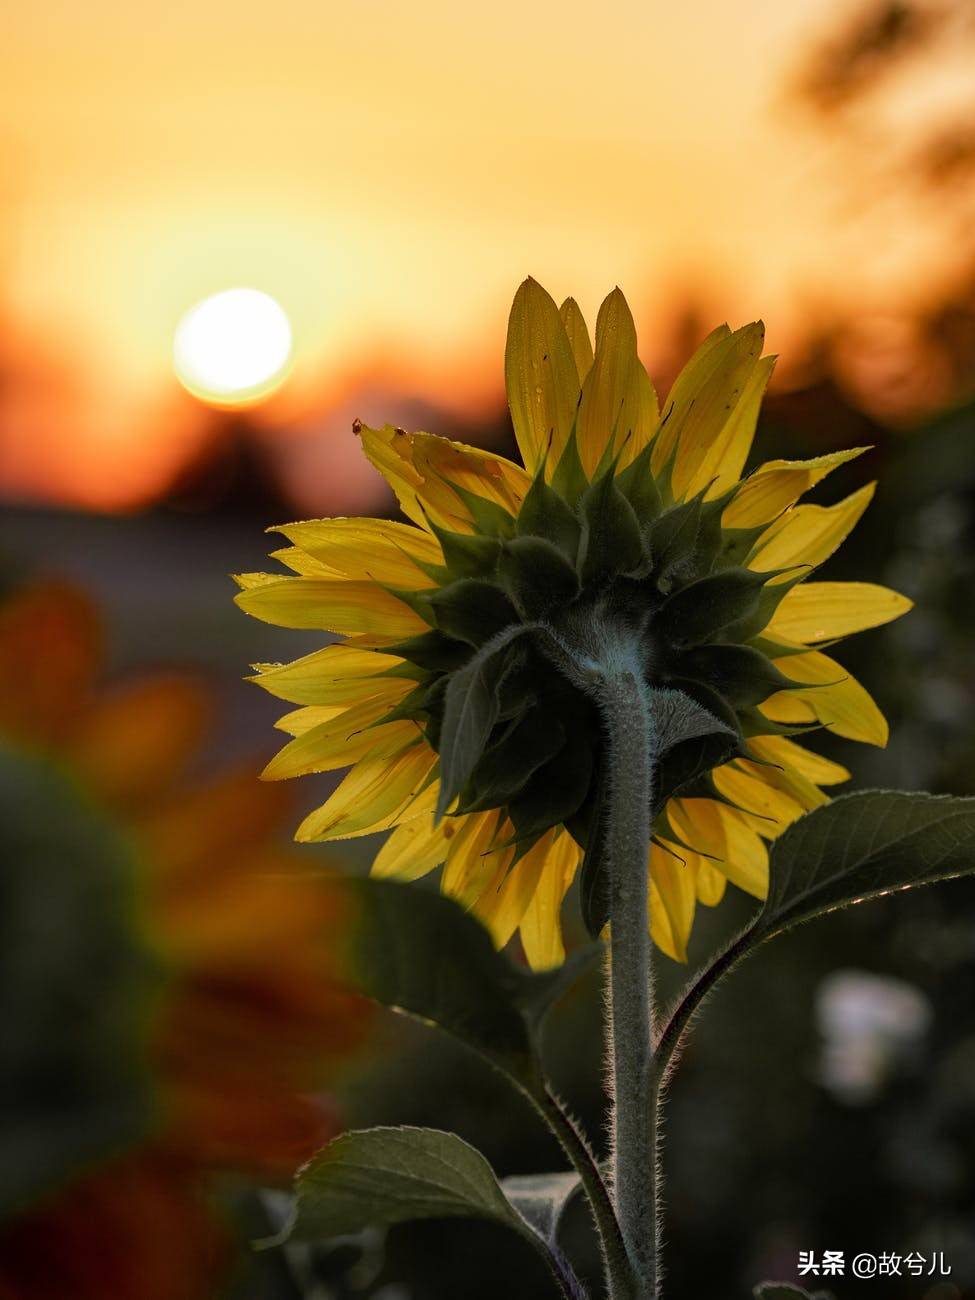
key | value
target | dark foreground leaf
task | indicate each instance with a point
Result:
(420, 953)
(862, 846)
(382, 1176)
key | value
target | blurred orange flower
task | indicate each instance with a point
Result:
(247, 1007)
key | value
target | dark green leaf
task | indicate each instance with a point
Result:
(611, 540)
(537, 575)
(556, 791)
(382, 1176)
(861, 846)
(737, 545)
(639, 486)
(508, 763)
(472, 610)
(700, 610)
(467, 555)
(431, 650)
(545, 514)
(471, 709)
(681, 767)
(490, 519)
(673, 540)
(420, 953)
(741, 674)
(569, 479)
(770, 597)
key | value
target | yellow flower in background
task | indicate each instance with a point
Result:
(447, 691)
(173, 997)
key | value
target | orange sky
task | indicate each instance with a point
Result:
(388, 172)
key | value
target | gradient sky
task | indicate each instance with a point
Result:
(389, 172)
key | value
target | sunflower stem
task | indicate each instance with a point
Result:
(633, 1089)
(615, 1258)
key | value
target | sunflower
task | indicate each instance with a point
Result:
(174, 1002)
(451, 693)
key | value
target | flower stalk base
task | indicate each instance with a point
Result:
(626, 842)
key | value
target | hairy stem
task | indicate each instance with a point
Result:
(597, 1193)
(634, 1094)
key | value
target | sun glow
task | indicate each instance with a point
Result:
(233, 348)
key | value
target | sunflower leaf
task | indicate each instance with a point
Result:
(381, 1176)
(861, 846)
(857, 847)
(420, 953)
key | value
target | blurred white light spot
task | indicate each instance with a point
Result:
(233, 348)
(869, 1025)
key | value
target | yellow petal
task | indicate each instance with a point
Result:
(836, 699)
(420, 469)
(540, 375)
(337, 674)
(788, 708)
(728, 838)
(541, 926)
(328, 605)
(696, 371)
(769, 810)
(778, 484)
(472, 861)
(504, 902)
(709, 882)
(705, 397)
(618, 406)
(722, 462)
(300, 721)
(787, 782)
(299, 561)
(342, 740)
(815, 768)
(370, 550)
(375, 795)
(822, 611)
(578, 335)
(808, 534)
(673, 899)
(415, 848)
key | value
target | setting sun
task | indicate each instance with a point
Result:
(233, 348)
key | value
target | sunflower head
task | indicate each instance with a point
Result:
(628, 537)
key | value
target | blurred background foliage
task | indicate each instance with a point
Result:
(827, 1099)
